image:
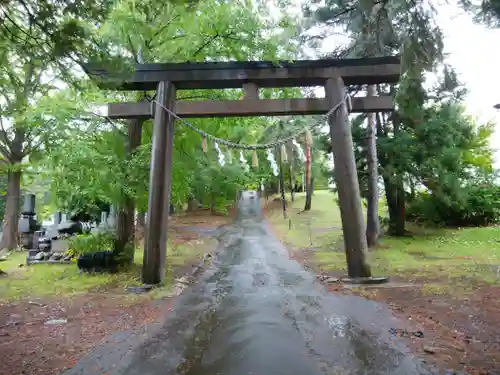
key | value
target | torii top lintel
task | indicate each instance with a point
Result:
(221, 75)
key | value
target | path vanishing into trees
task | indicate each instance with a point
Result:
(255, 311)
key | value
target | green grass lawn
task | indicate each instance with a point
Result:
(458, 258)
(61, 280)
(312, 228)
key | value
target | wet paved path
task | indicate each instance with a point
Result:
(256, 312)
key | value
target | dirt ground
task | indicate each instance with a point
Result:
(459, 333)
(30, 345)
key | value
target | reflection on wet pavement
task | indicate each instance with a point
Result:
(256, 312)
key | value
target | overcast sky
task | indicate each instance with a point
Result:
(474, 51)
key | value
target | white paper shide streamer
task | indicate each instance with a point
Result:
(244, 163)
(272, 161)
(302, 156)
(222, 160)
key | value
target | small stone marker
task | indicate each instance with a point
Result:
(56, 321)
(429, 349)
(331, 280)
(365, 280)
(140, 289)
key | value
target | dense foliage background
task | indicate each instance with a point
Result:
(432, 162)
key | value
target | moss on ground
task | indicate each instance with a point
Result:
(447, 259)
(61, 280)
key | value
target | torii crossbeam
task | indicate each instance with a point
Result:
(332, 74)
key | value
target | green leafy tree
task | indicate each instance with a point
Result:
(434, 146)
(149, 32)
(32, 118)
(40, 42)
(376, 29)
(486, 12)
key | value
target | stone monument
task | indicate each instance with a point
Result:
(27, 223)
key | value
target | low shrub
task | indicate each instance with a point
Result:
(91, 243)
(476, 205)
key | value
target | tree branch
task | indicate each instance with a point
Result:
(132, 49)
(206, 44)
(5, 138)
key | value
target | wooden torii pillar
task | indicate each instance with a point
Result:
(346, 177)
(160, 184)
(331, 74)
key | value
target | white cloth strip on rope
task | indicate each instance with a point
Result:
(256, 146)
(272, 161)
(244, 163)
(302, 156)
(222, 160)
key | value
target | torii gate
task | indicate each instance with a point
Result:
(332, 74)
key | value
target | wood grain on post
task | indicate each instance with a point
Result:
(169, 150)
(265, 74)
(250, 91)
(346, 178)
(249, 107)
(155, 241)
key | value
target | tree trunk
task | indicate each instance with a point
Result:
(10, 238)
(124, 243)
(292, 185)
(309, 194)
(192, 205)
(395, 195)
(394, 189)
(141, 220)
(141, 223)
(400, 219)
(307, 206)
(282, 183)
(413, 191)
(393, 184)
(289, 149)
(372, 220)
(390, 196)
